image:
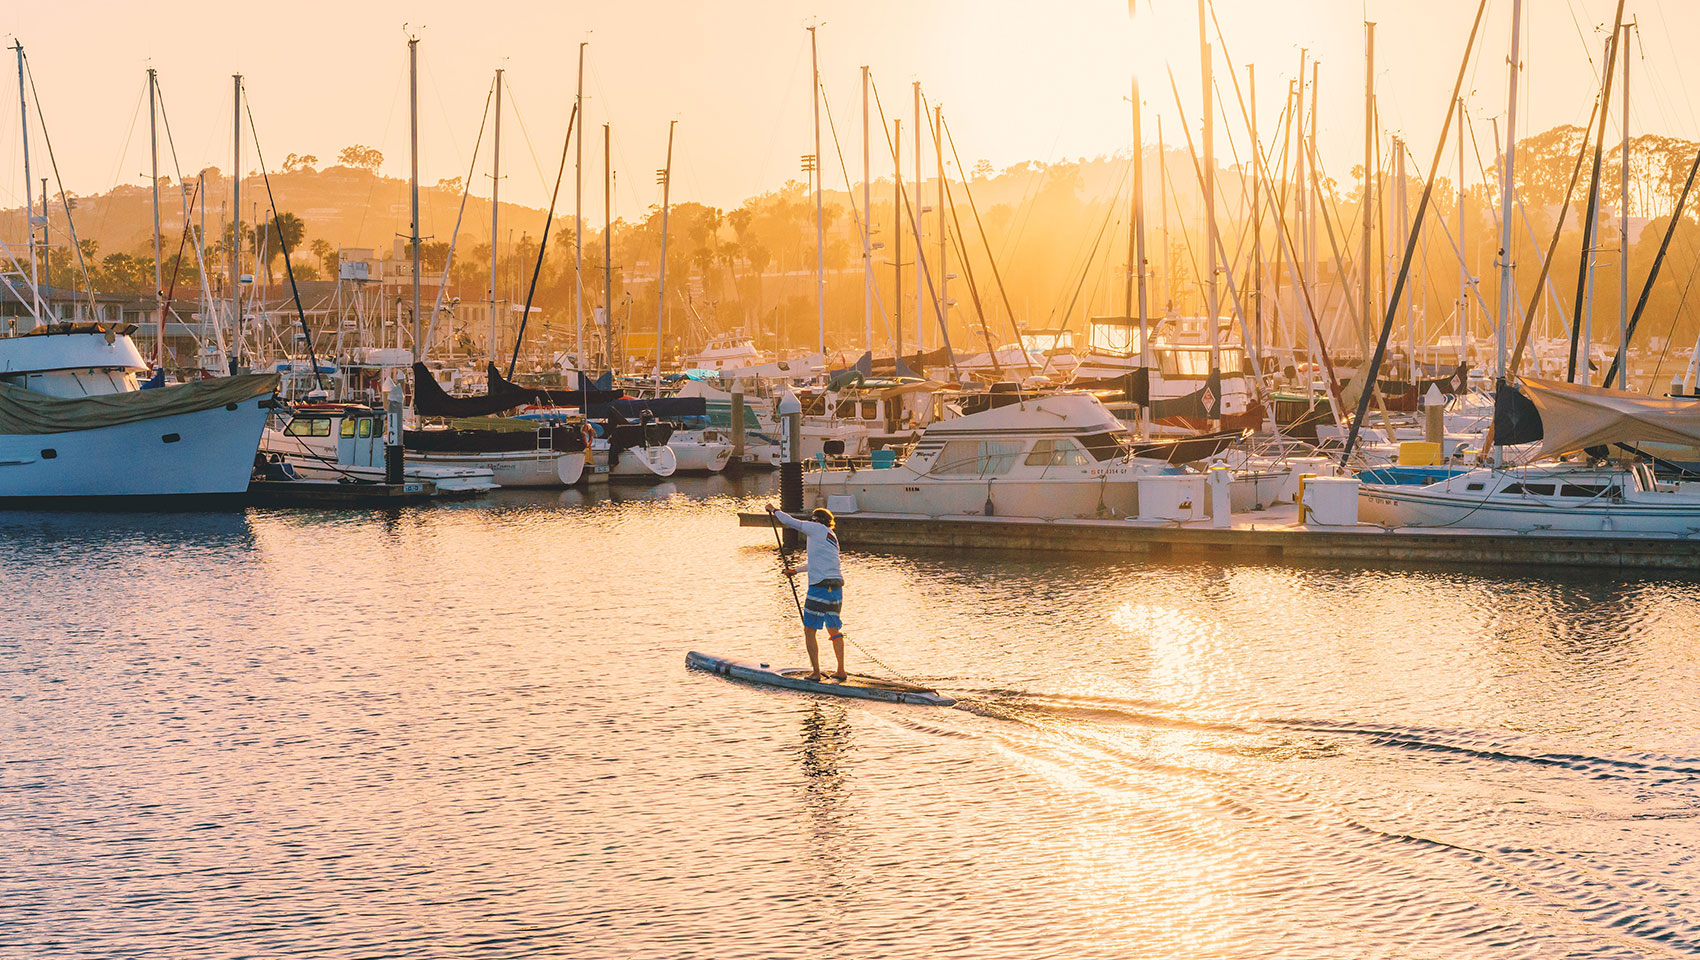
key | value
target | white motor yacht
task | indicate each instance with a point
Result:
(75, 423)
(1056, 456)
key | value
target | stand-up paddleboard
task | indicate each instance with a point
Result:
(796, 678)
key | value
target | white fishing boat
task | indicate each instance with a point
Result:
(1055, 456)
(75, 423)
(345, 441)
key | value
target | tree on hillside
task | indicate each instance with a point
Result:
(450, 184)
(361, 157)
(330, 259)
(268, 243)
(299, 162)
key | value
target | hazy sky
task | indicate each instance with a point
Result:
(1018, 80)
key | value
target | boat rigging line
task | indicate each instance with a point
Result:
(543, 244)
(454, 238)
(991, 258)
(283, 244)
(864, 219)
(1398, 290)
(53, 161)
(1587, 254)
(925, 272)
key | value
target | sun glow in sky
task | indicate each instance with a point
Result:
(1018, 80)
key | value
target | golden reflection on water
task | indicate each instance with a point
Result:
(474, 721)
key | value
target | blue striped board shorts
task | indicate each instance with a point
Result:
(822, 605)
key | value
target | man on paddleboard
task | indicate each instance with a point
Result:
(826, 585)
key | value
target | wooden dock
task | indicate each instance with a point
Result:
(1272, 535)
(330, 493)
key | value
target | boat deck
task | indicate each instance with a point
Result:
(1275, 534)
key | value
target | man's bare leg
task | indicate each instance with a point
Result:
(813, 647)
(838, 651)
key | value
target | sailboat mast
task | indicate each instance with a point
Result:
(607, 246)
(1212, 305)
(236, 226)
(495, 208)
(1163, 203)
(820, 222)
(867, 227)
(944, 240)
(413, 178)
(1256, 217)
(915, 214)
(1463, 263)
(661, 280)
(578, 223)
(897, 226)
(1623, 227)
(1508, 195)
(1313, 208)
(1366, 265)
(158, 280)
(29, 200)
(1137, 267)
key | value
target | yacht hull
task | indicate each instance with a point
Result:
(513, 469)
(1407, 507)
(1049, 499)
(205, 452)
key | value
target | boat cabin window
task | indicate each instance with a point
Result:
(1104, 446)
(1588, 490)
(1476, 486)
(367, 426)
(1538, 489)
(976, 458)
(314, 427)
(348, 426)
(1043, 341)
(1115, 337)
(1196, 362)
(1057, 453)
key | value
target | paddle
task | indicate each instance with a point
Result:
(785, 563)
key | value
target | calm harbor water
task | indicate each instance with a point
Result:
(466, 730)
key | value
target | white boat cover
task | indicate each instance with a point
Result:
(25, 412)
(1575, 416)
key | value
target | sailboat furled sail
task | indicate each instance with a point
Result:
(431, 400)
(1574, 416)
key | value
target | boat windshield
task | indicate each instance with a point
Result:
(1105, 446)
(1115, 337)
(1043, 341)
(1196, 362)
(308, 427)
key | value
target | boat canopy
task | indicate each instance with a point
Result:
(1575, 416)
(27, 412)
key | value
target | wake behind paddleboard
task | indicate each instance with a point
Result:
(796, 678)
